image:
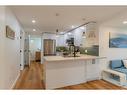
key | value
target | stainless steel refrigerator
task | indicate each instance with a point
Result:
(49, 47)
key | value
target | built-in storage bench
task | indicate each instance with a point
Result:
(120, 80)
(116, 73)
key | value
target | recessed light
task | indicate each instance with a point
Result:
(72, 26)
(69, 33)
(124, 22)
(33, 21)
(34, 29)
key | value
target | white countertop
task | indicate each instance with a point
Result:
(61, 58)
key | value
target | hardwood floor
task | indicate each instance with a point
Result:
(32, 78)
(93, 85)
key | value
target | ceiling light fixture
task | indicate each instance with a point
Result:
(34, 29)
(33, 21)
(124, 22)
(57, 30)
(57, 33)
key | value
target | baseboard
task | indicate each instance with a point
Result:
(95, 78)
(15, 81)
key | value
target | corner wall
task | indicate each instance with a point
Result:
(2, 63)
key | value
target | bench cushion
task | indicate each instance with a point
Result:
(116, 64)
(122, 70)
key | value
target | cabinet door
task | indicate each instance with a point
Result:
(92, 70)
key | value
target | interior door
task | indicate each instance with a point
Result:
(27, 51)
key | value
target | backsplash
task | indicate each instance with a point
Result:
(94, 50)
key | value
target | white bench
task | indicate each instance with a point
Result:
(122, 76)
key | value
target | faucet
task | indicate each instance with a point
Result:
(74, 50)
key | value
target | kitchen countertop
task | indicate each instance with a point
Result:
(61, 58)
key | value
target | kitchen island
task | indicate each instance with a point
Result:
(64, 71)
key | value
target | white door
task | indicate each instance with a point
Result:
(27, 51)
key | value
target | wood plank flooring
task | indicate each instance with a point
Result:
(93, 85)
(32, 78)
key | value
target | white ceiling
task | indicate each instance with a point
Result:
(117, 21)
(47, 21)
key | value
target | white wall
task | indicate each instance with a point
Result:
(9, 49)
(2, 36)
(78, 36)
(35, 45)
(110, 53)
(60, 40)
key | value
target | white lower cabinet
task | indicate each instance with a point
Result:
(70, 72)
(92, 70)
